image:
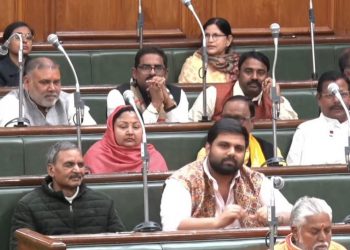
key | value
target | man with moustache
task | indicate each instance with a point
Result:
(63, 204)
(220, 191)
(322, 140)
(44, 103)
(311, 223)
(253, 82)
(157, 100)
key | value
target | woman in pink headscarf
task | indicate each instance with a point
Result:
(119, 149)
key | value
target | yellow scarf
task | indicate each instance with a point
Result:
(255, 153)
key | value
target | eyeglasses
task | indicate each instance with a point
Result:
(344, 94)
(147, 68)
(27, 36)
(213, 36)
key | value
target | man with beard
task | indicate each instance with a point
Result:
(44, 103)
(220, 191)
(311, 223)
(253, 82)
(63, 204)
(157, 100)
(322, 140)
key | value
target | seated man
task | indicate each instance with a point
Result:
(157, 100)
(322, 140)
(220, 192)
(253, 82)
(259, 151)
(44, 103)
(311, 223)
(63, 204)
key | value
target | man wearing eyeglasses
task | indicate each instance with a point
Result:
(322, 140)
(241, 108)
(157, 100)
(44, 103)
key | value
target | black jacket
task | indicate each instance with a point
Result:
(49, 213)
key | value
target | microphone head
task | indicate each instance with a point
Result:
(186, 2)
(278, 182)
(128, 96)
(333, 88)
(275, 30)
(3, 50)
(52, 38)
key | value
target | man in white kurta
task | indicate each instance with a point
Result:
(323, 140)
(44, 103)
(220, 192)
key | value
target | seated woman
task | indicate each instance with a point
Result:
(119, 149)
(9, 65)
(222, 60)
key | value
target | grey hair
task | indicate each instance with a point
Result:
(308, 206)
(51, 156)
(39, 63)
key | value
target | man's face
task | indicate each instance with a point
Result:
(315, 233)
(251, 75)
(330, 105)
(226, 153)
(44, 85)
(240, 111)
(68, 171)
(150, 65)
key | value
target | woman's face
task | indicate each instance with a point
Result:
(217, 41)
(27, 38)
(127, 130)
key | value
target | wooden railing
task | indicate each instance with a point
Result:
(28, 239)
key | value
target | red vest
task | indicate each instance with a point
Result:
(224, 92)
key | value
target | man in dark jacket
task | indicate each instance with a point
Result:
(63, 204)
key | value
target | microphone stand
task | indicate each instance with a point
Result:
(272, 217)
(347, 148)
(147, 225)
(204, 64)
(274, 161)
(78, 103)
(312, 33)
(20, 121)
(140, 25)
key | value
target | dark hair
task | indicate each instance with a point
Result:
(256, 55)
(330, 76)
(223, 25)
(150, 50)
(344, 60)
(51, 156)
(11, 27)
(227, 125)
(121, 111)
(243, 99)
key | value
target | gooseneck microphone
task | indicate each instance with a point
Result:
(277, 182)
(189, 5)
(147, 225)
(312, 34)
(78, 103)
(20, 121)
(275, 160)
(333, 89)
